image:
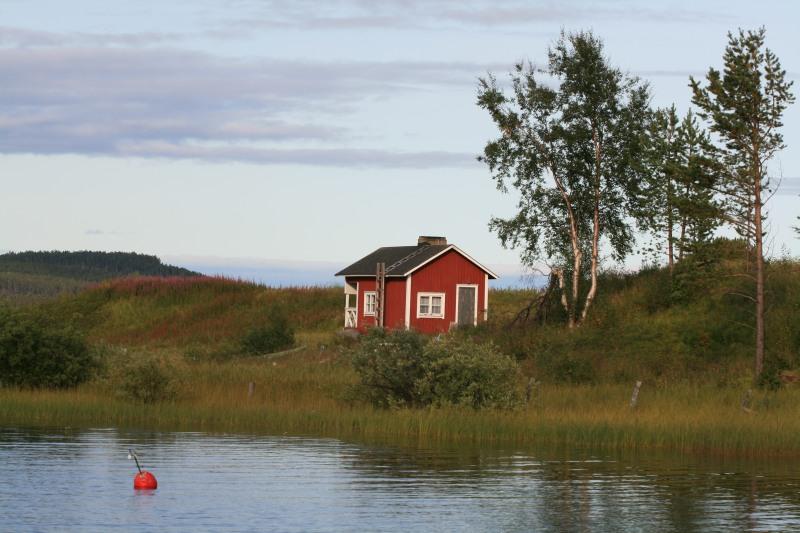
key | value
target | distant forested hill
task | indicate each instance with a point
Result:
(89, 266)
(33, 276)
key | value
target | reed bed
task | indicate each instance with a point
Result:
(307, 395)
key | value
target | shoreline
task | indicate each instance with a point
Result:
(656, 426)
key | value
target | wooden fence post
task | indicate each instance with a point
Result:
(635, 395)
(747, 399)
(532, 390)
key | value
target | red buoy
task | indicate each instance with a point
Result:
(144, 480)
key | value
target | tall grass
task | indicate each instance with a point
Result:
(307, 394)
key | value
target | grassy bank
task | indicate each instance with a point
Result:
(306, 395)
(693, 354)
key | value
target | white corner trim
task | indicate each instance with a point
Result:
(408, 303)
(460, 251)
(428, 314)
(475, 307)
(485, 297)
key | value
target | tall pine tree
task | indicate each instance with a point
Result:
(744, 106)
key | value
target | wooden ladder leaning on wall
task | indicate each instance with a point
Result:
(380, 293)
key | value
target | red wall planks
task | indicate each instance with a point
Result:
(442, 275)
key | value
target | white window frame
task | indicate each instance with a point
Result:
(429, 295)
(374, 296)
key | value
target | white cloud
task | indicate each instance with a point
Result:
(182, 104)
(435, 14)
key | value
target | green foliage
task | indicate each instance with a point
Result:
(274, 335)
(770, 377)
(641, 330)
(144, 378)
(572, 145)
(390, 364)
(744, 105)
(675, 200)
(463, 373)
(406, 369)
(36, 354)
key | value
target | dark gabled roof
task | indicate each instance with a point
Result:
(402, 260)
(398, 260)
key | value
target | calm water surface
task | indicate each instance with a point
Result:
(81, 480)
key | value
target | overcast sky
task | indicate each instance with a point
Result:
(301, 135)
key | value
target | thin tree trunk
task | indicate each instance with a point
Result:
(576, 254)
(595, 229)
(595, 244)
(684, 221)
(683, 217)
(759, 241)
(560, 274)
(670, 223)
(682, 239)
(576, 280)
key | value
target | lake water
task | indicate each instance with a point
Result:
(81, 480)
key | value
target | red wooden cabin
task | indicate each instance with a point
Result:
(430, 288)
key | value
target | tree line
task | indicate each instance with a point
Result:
(88, 266)
(595, 165)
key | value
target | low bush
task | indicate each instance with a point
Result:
(389, 364)
(275, 335)
(36, 354)
(144, 378)
(463, 373)
(406, 369)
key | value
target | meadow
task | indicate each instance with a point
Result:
(693, 358)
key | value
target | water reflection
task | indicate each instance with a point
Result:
(81, 480)
(595, 492)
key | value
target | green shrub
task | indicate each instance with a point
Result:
(770, 377)
(390, 364)
(460, 372)
(405, 369)
(275, 335)
(145, 379)
(36, 354)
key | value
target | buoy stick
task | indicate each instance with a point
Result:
(135, 458)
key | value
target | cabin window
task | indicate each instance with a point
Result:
(369, 304)
(430, 305)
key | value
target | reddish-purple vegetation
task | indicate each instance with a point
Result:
(161, 286)
(199, 309)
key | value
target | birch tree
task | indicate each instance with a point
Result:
(571, 143)
(744, 107)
